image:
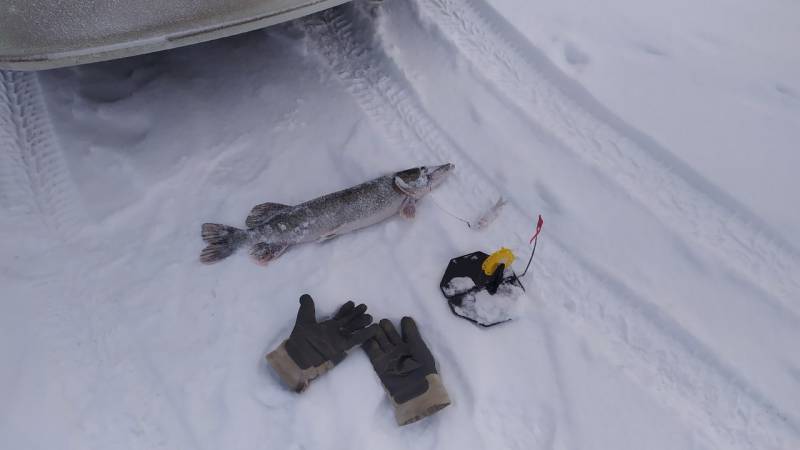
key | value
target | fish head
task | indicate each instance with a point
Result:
(437, 174)
(424, 179)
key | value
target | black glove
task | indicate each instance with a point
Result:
(314, 348)
(407, 370)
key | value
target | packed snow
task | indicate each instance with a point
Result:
(485, 308)
(658, 140)
(459, 285)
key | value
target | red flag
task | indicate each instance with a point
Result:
(538, 229)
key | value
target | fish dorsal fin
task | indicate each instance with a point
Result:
(411, 191)
(263, 212)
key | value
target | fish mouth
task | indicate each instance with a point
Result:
(437, 174)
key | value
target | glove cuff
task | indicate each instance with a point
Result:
(290, 373)
(423, 405)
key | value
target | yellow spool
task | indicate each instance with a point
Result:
(502, 256)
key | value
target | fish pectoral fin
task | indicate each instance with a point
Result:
(263, 252)
(409, 190)
(263, 212)
(408, 210)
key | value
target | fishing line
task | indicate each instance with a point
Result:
(483, 221)
(441, 208)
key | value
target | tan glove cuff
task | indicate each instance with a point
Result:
(291, 374)
(423, 405)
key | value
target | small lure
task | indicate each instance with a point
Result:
(489, 216)
(483, 221)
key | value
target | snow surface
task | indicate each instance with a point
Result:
(658, 140)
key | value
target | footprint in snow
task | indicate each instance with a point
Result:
(575, 56)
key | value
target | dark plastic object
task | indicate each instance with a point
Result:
(470, 266)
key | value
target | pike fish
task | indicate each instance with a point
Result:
(273, 227)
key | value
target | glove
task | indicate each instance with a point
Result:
(407, 370)
(314, 348)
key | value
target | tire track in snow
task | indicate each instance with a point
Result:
(34, 178)
(634, 335)
(37, 193)
(650, 174)
(36, 185)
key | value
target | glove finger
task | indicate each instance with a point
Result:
(391, 332)
(360, 309)
(306, 313)
(357, 311)
(382, 340)
(372, 348)
(410, 331)
(362, 335)
(359, 322)
(344, 310)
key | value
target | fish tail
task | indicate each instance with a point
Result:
(222, 241)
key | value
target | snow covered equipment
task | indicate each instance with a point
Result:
(272, 227)
(314, 348)
(407, 370)
(484, 289)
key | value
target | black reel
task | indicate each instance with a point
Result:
(471, 266)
